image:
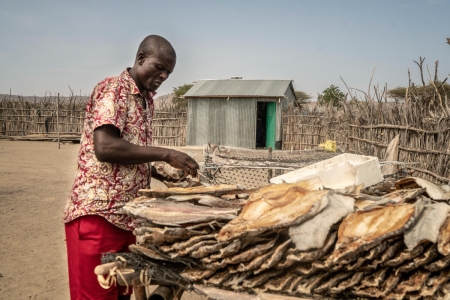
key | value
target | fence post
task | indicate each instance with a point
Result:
(57, 120)
(270, 159)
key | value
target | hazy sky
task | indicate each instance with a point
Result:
(49, 45)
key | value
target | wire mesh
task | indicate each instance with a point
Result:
(252, 168)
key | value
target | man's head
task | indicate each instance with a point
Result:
(155, 60)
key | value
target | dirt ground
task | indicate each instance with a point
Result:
(35, 179)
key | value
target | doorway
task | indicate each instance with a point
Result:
(261, 117)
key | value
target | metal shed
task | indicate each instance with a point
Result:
(237, 112)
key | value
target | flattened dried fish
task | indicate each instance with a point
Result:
(158, 236)
(431, 286)
(277, 284)
(255, 263)
(392, 250)
(313, 233)
(412, 284)
(439, 264)
(293, 207)
(309, 256)
(219, 277)
(196, 197)
(195, 247)
(430, 254)
(207, 250)
(375, 292)
(346, 284)
(427, 226)
(373, 253)
(311, 283)
(229, 250)
(190, 242)
(444, 238)
(249, 254)
(275, 257)
(361, 231)
(332, 282)
(216, 190)
(261, 279)
(218, 202)
(175, 213)
(195, 274)
(435, 192)
(404, 255)
(374, 279)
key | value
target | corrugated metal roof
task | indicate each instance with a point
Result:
(239, 88)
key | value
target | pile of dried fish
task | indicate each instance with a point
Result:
(292, 239)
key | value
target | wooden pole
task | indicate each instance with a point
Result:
(57, 120)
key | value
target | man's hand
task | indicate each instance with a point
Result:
(110, 147)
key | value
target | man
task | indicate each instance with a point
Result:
(114, 163)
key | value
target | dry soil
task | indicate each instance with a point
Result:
(35, 179)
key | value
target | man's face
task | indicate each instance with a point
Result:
(154, 70)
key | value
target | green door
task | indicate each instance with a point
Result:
(270, 124)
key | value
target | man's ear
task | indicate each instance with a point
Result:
(141, 58)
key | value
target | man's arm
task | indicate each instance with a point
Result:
(109, 147)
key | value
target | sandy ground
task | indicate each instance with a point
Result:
(35, 178)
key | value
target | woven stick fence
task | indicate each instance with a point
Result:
(367, 126)
(21, 116)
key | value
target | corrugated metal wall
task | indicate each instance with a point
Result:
(218, 120)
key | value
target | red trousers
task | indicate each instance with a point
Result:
(87, 238)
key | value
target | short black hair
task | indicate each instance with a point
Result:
(154, 45)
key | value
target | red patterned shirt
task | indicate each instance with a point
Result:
(102, 188)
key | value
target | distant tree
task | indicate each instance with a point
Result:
(302, 98)
(178, 92)
(331, 95)
(399, 93)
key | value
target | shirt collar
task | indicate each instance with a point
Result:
(134, 89)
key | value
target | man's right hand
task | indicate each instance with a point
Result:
(182, 161)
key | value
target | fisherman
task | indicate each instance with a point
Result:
(114, 163)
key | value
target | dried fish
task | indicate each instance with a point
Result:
(404, 255)
(373, 280)
(429, 254)
(176, 213)
(312, 233)
(361, 231)
(218, 202)
(311, 283)
(427, 226)
(207, 250)
(412, 284)
(274, 258)
(277, 284)
(435, 192)
(216, 190)
(189, 250)
(375, 292)
(346, 284)
(193, 197)
(332, 282)
(249, 254)
(444, 238)
(255, 263)
(310, 256)
(293, 207)
(219, 277)
(431, 286)
(261, 279)
(158, 236)
(190, 242)
(195, 274)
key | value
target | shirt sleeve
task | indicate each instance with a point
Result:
(110, 105)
